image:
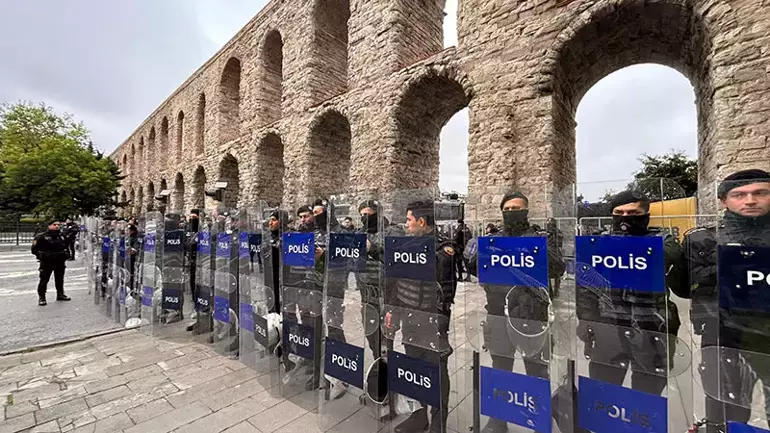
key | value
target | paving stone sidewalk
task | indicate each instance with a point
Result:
(130, 382)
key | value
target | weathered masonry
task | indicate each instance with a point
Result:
(316, 95)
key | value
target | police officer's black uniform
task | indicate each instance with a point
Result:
(427, 297)
(70, 233)
(527, 304)
(50, 248)
(618, 309)
(271, 255)
(720, 328)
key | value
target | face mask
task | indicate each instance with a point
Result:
(515, 221)
(194, 224)
(635, 225)
(369, 223)
(320, 220)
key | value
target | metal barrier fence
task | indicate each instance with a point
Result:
(17, 233)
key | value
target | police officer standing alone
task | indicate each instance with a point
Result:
(51, 250)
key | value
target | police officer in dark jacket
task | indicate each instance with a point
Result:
(434, 298)
(369, 282)
(528, 304)
(191, 250)
(745, 198)
(276, 224)
(70, 233)
(604, 312)
(51, 250)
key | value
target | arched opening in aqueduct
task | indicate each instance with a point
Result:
(229, 172)
(199, 189)
(330, 45)
(270, 95)
(270, 169)
(151, 197)
(425, 107)
(180, 134)
(200, 126)
(177, 203)
(329, 154)
(612, 36)
(139, 203)
(163, 206)
(230, 101)
(641, 109)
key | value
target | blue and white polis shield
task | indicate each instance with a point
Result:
(633, 352)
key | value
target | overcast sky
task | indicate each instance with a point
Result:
(110, 64)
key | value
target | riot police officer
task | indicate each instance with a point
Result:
(51, 250)
(602, 312)
(426, 297)
(277, 224)
(745, 198)
(526, 304)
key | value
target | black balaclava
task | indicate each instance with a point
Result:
(515, 222)
(195, 222)
(322, 219)
(369, 223)
(635, 225)
(743, 178)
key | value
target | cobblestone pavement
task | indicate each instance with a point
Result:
(23, 323)
(130, 382)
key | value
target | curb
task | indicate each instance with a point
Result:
(30, 349)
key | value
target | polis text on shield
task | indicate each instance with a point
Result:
(513, 261)
(410, 258)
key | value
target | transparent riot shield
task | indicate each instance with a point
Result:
(118, 272)
(729, 260)
(257, 299)
(301, 310)
(152, 253)
(93, 254)
(168, 303)
(351, 313)
(633, 355)
(425, 359)
(517, 320)
(134, 255)
(103, 259)
(225, 306)
(204, 278)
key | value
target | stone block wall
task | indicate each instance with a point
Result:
(316, 95)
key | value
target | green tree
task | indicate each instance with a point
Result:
(48, 165)
(671, 175)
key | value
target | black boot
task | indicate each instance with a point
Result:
(417, 422)
(42, 302)
(495, 426)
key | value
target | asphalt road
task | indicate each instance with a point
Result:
(23, 323)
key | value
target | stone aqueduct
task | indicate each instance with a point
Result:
(315, 95)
